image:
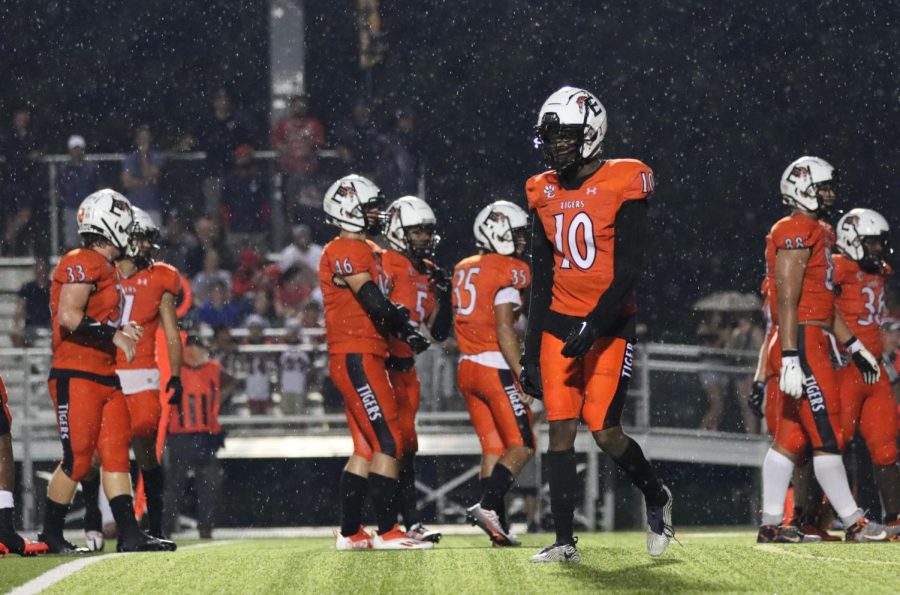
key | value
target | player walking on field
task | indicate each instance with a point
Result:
(589, 230)
(859, 275)
(358, 321)
(150, 292)
(86, 304)
(487, 299)
(417, 284)
(801, 272)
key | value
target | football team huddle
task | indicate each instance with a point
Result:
(574, 262)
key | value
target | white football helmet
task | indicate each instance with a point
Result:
(346, 203)
(144, 228)
(800, 183)
(496, 226)
(108, 214)
(407, 212)
(570, 127)
(852, 231)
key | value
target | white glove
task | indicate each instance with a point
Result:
(864, 360)
(791, 381)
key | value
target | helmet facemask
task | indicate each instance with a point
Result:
(875, 250)
(561, 145)
(373, 215)
(143, 246)
(419, 248)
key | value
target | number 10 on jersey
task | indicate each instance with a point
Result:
(574, 240)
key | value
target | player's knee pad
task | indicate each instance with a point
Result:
(793, 442)
(78, 466)
(144, 424)
(883, 453)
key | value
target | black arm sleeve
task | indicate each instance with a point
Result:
(386, 316)
(90, 328)
(440, 328)
(541, 284)
(631, 234)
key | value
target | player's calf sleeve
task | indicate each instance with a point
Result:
(776, 471)
(353, 496)
(561, 467)
(497, 485)
(887, 477)
(408, 496)
(123, 511)
(832, 476)
(154, 486)
(90, 491)
(54, 518)
(633, 462)
(384, 499)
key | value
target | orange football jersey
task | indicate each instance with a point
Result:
(817, 294)
(859, 297)
(580, 224)
(76, 352)
(410, 288)
(348, 329)
(143, 294)
(476, 281)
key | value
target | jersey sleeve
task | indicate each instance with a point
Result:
(793, 234)
(842, 272)
(641, 183)
(515, 273)
(79, 267)
(533, 191)
(170, 280)
(351, 258)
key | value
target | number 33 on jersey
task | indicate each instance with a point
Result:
(580, 224)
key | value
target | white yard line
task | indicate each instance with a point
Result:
(787, 551)
(51, 577)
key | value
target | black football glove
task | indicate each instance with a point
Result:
(403, 310)
(757, 398)
(530, 378)
(440, 279)
(174, 388)
(580, 339)
(414, 339)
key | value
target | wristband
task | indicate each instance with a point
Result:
(790, 353)
(88, 327)
(853, 344)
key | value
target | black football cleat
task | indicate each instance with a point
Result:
(57, 544)
(145, 543)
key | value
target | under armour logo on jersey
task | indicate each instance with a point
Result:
(549, 190)
(591, 190)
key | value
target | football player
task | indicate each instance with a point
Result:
(417, 284)
(10, 541)
(358, 320)
(151, 289)
(87, 307)
(590, 226)
(801, 271)
(487, 299)
(859, 274)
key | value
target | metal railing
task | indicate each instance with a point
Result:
(666, 379)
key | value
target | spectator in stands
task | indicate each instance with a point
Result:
(294, 289)
(209, 237)
(356, 138)
(218, 135)
(297, 138)
(294, 366)
(211, 274)
(399, 156)
(76, 179)
(258, 386)
(177, 244)
(263, 306)
(219, 309)
(250, 275)
(193, 440)
(224, 350)
(23, 203)
(33, 307)
(302, 250)
(713, 334)
(140, 174)
(746, 335)
(245, 199)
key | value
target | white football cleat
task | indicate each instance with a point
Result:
(659, 526)
(564, 553)
(360, 540)
(94, 541)
(489, 522)
(397, 539)
(422, 533)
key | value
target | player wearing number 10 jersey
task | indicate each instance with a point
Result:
(859, 275)
(589, 229)
(487, 300)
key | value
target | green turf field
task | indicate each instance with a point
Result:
(615, 562)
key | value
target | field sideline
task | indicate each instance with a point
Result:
(726, 561)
